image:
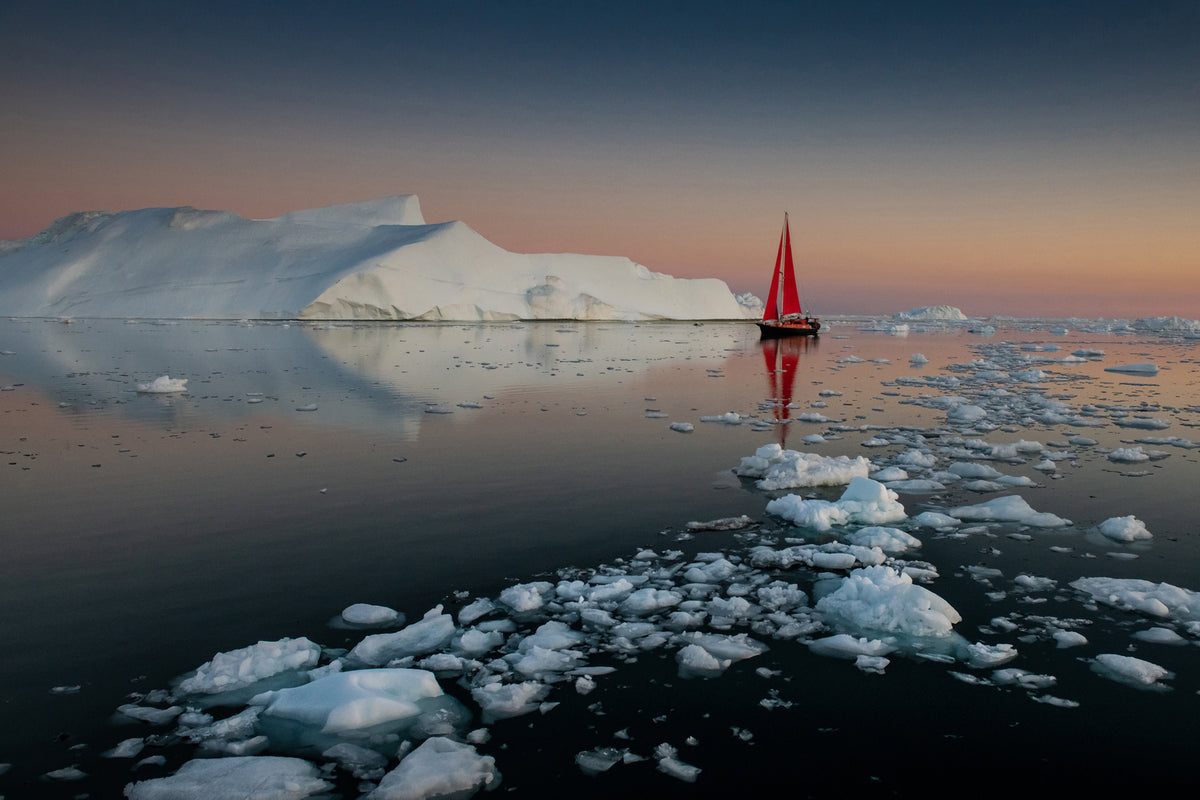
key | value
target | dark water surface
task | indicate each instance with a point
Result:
(144, 533)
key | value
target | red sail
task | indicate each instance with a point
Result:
(783, 297)
(789, 291)
(772, 309)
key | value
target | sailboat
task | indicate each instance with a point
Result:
(783, 315)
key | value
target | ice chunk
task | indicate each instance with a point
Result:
(1142, 368)
(601, 759)
(163, 384)
(355, 700)
(1160, 636)
(525, 596)
(935, 519)
(371, 616)
(274, 777)
(238, 669)
(843, 645)
(504, 700)
(880, 599)
(695, 661)
(889, 540)
(669, 763)
(1069, 639)
(1132, 671)
(1011, 508)
(864, 500)
(789, 469)
(433, 632)
(1124, 529)
(1133, 594)
(440, 767)
(648, 601)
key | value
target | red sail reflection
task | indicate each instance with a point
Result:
(781, 357)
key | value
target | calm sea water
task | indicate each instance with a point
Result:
(309, 467)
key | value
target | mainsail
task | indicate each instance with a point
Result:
(783, 299)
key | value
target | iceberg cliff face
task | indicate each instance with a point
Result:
(375, 260)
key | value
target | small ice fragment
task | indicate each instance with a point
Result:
(1143, 368)
(371, 615)
(163, 384)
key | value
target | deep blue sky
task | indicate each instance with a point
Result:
(925, 150)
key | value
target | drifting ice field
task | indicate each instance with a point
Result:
(563, 559)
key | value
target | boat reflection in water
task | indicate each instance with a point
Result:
(781, 357)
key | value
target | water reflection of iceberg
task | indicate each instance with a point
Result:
(358, 375)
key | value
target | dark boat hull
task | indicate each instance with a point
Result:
(787, 329)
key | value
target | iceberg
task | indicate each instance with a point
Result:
(932, 313)
(376, 260)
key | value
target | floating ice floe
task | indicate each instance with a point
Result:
(280, 661)
(1132, 594)
(439, 767)
(777, 468)
(1134, 455)
(1143, 368)
(880, 600)
(1132, 671)
(431, 633)
(1124, 529)
(864, 501)
(163, 384)
(367, 615)
(358, 700)
(275, 777)
(1011, 508)
(729, 418)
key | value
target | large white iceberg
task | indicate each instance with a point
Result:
(372, 260)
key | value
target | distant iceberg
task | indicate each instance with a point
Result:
(375, 260)
(932, 313)
(1167, 325)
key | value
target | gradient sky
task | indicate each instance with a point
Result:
(1014, 158)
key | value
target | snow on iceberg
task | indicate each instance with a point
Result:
(372, 260)
(777, 468)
